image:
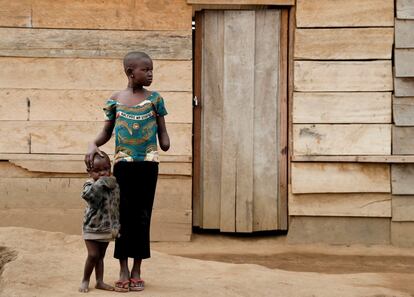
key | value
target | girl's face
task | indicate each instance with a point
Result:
(142, 73)
(101, 167)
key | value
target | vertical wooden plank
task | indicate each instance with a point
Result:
(237, 157)
(196, 197)
(266, 124)
(212, 96)
(405, 9)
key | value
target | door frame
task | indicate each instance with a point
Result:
(285, 95)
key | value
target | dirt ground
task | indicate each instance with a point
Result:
(48, 264)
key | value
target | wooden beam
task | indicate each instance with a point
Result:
(340, 178)
(88, 74)
(355, 139)
(312, 76)
(47, 43)
(340, 205)
(350, 13)
(117, 14)
(344, 44)
(350, 107)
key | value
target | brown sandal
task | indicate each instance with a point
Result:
(122, 286)
(136, 284)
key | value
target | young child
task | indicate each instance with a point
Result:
(137, 115)
(101, 221)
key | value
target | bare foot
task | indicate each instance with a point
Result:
(103, 286)
(84, 287)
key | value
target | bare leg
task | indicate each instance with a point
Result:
(136, 269)
(99, 268)
(124, 272)
(91, 260)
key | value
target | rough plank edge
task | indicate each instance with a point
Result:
(358, 159)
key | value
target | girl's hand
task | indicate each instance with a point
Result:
(92, 151)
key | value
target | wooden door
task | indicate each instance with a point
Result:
(240, 121)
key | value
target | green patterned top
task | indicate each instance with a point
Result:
(136, 128)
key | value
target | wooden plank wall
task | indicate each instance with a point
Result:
(402, 225)
(59, 62)
(342, 106)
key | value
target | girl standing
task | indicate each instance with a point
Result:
(137, 115)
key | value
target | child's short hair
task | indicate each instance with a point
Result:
(133, 56)
(99, 157)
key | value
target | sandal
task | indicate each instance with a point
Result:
(122, 286)
(136, 284)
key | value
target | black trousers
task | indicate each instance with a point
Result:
(137, 182)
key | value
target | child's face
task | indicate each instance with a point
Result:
(101, 167)
(142, 72)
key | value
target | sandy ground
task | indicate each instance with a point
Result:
(50, 264)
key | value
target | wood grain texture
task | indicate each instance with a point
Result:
(355, 159)
(402, 234)
(243, 2)
(402, 140)
(211, 121)
(15, 13)
(112, 14)
(351, 13)
(355, 139)
(160, 45)
(13, 107)
(404, 33)
(15, 137)
(404, 87)
(85, 105)
(402, 179)
(405, 9)
(312, 76)
(340, 178)
(339, 230)
(87, 74)
(404, 62)
(343, 44)
(362, 107)
(403, 111)
(340, 205)
(402, 208)
(266, 122)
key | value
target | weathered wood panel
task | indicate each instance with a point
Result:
(266, 134)
(404, 33)
(356, 139)
(87, 74)
(342, 205)
(402, 234)
(343, 44)
(78, 166)
(402, 179)
(79, 105)
(160, 45)
(12, 107)
(237, 174)
(166, 225)
(73, 137)
(364, 107)
(402, 140)
(243, 2)
(315, 76)
(112, 14)
(15, 13)
(405, 9)
(404, 62)
(339, 230)
(340, 178)
(212, 113)
(357, 159)
(350, 13)
(15, 137)
(404, 87)
(403, 111)
(402, 208)
(64, 193)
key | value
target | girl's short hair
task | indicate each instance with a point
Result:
(133, 56)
